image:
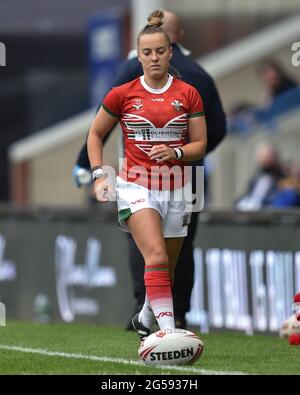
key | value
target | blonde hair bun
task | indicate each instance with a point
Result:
(156, 18)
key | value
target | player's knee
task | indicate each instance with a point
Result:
(156, 256)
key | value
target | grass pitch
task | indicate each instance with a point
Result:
(29, 348)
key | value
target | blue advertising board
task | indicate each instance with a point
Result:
(105, 42)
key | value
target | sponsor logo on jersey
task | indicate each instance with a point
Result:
(157, 134)
(158, 99)
(177, 105)
(144, 132)
(137, 103)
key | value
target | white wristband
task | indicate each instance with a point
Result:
(178, 153)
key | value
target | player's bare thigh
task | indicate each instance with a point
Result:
(146, 229)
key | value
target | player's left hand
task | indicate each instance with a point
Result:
(162, 153)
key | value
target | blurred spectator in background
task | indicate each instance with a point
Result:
(287, 193)
(262, 186)
(240, 118)
(275, 79)
(281, 94)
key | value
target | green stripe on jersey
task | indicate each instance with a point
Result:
(196, 114)
(109, 112)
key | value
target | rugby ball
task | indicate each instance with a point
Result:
(171, 347)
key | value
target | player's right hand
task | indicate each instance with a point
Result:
(81, 176)
(104, 191)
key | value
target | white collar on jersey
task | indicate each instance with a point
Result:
(156, 91)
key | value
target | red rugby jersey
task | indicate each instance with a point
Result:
(153, 116)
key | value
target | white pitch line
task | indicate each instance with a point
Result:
(113, 360)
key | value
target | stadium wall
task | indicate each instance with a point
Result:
(244, 85)
(41, 165)
(72, 265)
(232, 7)
(234, 66)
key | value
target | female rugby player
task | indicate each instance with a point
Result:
(164, 126)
